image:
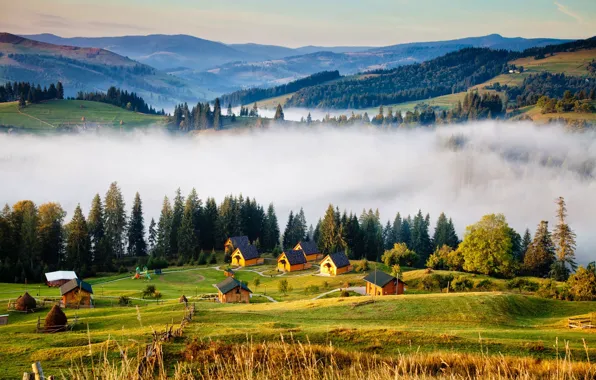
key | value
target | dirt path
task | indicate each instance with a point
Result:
(33, 117)
(357, 289)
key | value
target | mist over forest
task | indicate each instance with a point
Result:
(465, 171)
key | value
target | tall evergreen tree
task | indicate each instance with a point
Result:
(564, 239)
(526, 242)
(372, 235)
(164, 229)
(51, 233)
(188, 241)
(115, 219)
(100, 248)
(217, 115)
(444, 233)
(328, 232)
(209, 224)
(421, 243)
(152, 235)
(25, 220)
(59, 90)
(178, 210)
(405, 235)
(541, 253)
(279, 113)
(271, 230)
(78, 245)
(136, 229)
(288, 236)
(388, 236)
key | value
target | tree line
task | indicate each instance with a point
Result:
(200, 117)
(120, 98)
(24, 92)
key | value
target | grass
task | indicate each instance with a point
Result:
(537, 116)
(570, 63)
(55, 114)
(432, 324)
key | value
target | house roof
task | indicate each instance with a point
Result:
(230, 284)
(379, 278)
(249, 252)
(309, 247)
(74, 284)
(229, 270)
(61, 275)
(239, 241)
(295, 257)
(339, 259)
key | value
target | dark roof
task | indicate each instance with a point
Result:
(295, 257)
(229, 270)
(339, 259)
(239, 241)
(74, 284)
(249, 252)
(309, 247)
(379, 278)
(230, 284)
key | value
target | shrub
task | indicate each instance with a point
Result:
(149, 291)
(122, 269)
(123, 301)
(344, 293)
(157, 263)
(548, 289)
(361, 266)
(429, 283)
(325, 284)
(484, 284)
(462, 284)
(399, 254)
(213, 259)
(582, 284)
(522, 284)
(284, 287)
(311, 289)
(202, 259)
(435, 262)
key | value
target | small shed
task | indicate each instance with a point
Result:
(76, 293)
(247, 256)
(229, 272)
(231, 290)
(3, 319)
(336, 264)
(310, 249)
(379, 283)
(290, 261)
(59, 278)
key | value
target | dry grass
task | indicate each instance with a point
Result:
(294, 360)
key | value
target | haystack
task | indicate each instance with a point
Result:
(55, 320)
(183, 299)
(25, 303)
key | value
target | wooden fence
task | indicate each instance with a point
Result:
(41, 328)
(580, 323)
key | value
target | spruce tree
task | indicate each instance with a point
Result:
(271, 230)
(178, 210)
(115, 219)
(51, 233)
(526, 241)
(405, 235)
(564, 239)
(421, 243)
(279, 113)
(541, 253)
(59, 90)
(164, 230)
(136, 229)
(217, 115)
(287, 237)
(309, 119)
(78, 245)
(100, 249)
(328, 232)
(210, 222)
(152, 235)
(229, 113)
(188, 242)
(388, 236)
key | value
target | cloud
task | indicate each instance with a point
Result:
(565, 10)
(509, 168)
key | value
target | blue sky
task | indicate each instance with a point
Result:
(306, 22)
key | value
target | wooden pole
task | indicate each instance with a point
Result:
(37, 370)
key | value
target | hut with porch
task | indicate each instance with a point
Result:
(76, 293)
(228, 272)
(231, 290)
(59, 278)
(234, 242)
(379, 283)
(336, 264)
(310, 249)
(290, 261)
(247, 256)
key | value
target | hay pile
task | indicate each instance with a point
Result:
(25, 303)
(55, 320)
(183, 299)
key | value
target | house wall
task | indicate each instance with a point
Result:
(70, 298)
(328, 270)
(233, 296)
(57, 283)
(388, 289)
(343, 270)
(238, 259)
(314, 257)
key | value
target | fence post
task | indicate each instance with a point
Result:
(38, 371)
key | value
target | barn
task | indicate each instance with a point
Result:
(231, 290)
(59, 278)
(379, 283)
(290, 261)
(310, 249)
(76, 293)
(247, 256)
(336, 264)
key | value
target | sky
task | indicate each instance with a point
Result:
(306, 22)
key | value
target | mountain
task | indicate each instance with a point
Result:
(88, 69)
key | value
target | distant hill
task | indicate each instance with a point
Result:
(88, 69)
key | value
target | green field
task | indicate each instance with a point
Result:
(495, 323)
(56, 114)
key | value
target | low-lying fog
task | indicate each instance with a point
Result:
(465, 171)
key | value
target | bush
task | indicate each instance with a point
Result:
(462, 284)
(522, 284)
(202, 259)
(157, 263)
(399, 254)
(344, 293)
(361, 266)
(325, 284)
(311, 289)
(123, 301)
(122, 269)
(582, 284)
(149, 291)
(485, 285)
(213, 259)
(548, 289)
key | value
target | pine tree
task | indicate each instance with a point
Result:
(152, 235)
(210, 222)
(564, 239)
(136, 229)
(217, 115)
(309, 119)
(526, 241)
(188, 242)
(178, 210)
(405, 235)
(255, 110)
(115, 219)
(270, 230)
(388, 236)
(327, 241)
(164, 229)
(541, 253)
(78, 245)
(51, 233)
(287, 237)
(421, 243)
(59, 90)
(279, 113)
(396, 230)
(100, 249)
(230, 110)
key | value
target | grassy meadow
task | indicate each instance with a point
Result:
(486, 323)
(54, 114)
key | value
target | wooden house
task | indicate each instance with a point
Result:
(336, 264)
(247, 256)
(234, 242)
(229, 272)
(76, 293)
(59, 278)
(290, 261)
(310, 249)
(382, 284)
(231, 290)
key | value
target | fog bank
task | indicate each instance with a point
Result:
(465, 171)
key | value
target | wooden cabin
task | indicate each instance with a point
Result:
(59, 278)
(336, 264)
(382, 284)
(247, 256)
(310, 249)
(234, 242)
(231, 290)
(290, 261)
(229, 272)
(76, 293)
